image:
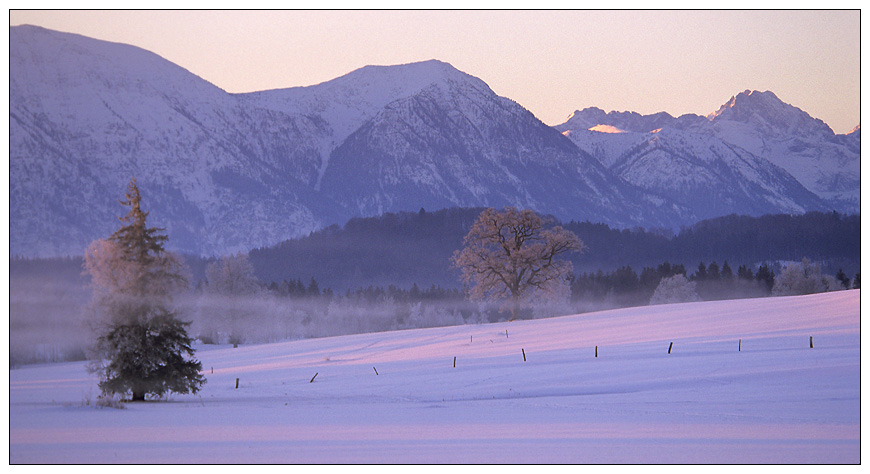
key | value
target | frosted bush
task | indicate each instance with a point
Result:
(799, 278)
(832, 283)
(675, 289)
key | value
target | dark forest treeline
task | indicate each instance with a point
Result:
(832, 238)
(414, 248)
(393, 249)
(626, 287)
(406, 248)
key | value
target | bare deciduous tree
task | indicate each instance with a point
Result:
(510, 254)
(229, 279)
(231, 275)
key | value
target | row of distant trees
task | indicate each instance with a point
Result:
(621, 287)
(626, 287)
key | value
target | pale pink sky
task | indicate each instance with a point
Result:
(551, 62)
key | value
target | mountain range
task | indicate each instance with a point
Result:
(230, 172)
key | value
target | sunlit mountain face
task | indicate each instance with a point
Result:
(230, 172)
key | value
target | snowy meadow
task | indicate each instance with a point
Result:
(708, 382)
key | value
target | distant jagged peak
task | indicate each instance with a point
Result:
(591, 117)
(766, 112)
(857, 130)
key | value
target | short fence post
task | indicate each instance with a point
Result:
(312, 378)
(811, 342)
(237, 384)
(739, 344)
(670, 347)
(596, 351)
(376, 371)
(524, 355)
(454, 362)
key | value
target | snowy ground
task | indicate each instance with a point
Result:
(774, 401)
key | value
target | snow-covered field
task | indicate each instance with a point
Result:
(396, 397)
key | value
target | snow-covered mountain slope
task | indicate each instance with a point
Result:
(87, 115)
(456, 143)
(825, 163)
(756, 126)
(229, 172)
(711, 176)
(345, 103)
(740, 385)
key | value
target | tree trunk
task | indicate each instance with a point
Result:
(515, 307)
(138, 396)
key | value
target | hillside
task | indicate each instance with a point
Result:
(741, 385)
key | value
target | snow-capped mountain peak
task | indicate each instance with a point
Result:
(765, 111)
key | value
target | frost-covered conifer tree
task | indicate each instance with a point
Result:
(141, 347)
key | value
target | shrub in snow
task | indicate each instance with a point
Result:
(674, 289)
(800, 278)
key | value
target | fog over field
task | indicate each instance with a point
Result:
(51, 318)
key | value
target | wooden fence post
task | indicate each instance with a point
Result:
(312, 378)
(596, 351)
(670, 347)
(454, 362)
(524, 355)
(739, 344)
(811, 342)
(376, 371)
(237, 384)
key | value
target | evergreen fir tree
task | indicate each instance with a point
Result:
(745, 273)
(701, 273)
(841, 276)
(713, 271)
(143, 348)
(726, 273)
(149, 353)
(765, 276)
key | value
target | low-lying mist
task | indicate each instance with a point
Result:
(50, 320)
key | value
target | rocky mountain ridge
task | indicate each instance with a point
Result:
(230, 172)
